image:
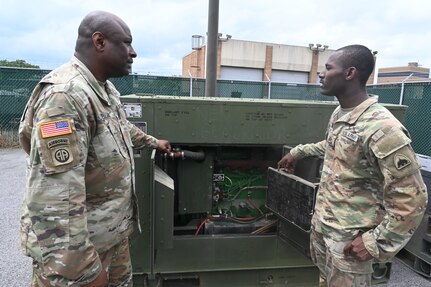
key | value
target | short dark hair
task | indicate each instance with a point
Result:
(360, 57)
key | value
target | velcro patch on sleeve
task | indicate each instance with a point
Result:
(62, 155)
(55, 128)
(401, 161)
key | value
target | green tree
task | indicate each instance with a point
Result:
(17, 63)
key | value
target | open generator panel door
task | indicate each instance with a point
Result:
(292, 198)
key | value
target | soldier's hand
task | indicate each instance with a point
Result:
(100, 281)
(164, 146)
(287, 162)
(357, 249)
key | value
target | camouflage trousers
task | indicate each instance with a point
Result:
(336, 269)
(116, 261)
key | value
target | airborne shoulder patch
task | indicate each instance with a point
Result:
(58, 141)
(401, 161)
(55, 128)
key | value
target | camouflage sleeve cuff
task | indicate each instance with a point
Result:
(156, 143)
(92, 273)
(370, 243)
(297, 153)
(312, 149)
(141, 139)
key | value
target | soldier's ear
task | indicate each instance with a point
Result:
(98, 41)
(350, 73)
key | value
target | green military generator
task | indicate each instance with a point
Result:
(216, 213)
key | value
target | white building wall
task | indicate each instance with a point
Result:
(239, 53)
(292, 58)
(245, 60)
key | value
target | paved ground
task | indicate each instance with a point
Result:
(15, 269)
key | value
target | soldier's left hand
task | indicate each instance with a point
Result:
(357, 249)
(164, 146)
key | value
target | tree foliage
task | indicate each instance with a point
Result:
(17, 63)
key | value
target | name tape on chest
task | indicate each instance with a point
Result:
(55, 128)
(351, 136)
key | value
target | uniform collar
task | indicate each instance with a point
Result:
(91, 80)
(354, 115)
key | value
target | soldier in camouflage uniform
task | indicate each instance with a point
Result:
(80, 205)
(371, 196)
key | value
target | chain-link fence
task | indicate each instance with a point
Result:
(16, 85)
(418, 119)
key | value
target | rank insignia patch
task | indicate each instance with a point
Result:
(401, 161)
(55, 128)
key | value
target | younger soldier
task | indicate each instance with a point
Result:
(371, 196)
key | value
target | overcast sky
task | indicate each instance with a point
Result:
(43, 32)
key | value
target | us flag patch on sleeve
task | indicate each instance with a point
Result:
(55, 128)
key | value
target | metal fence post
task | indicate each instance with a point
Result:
(269, 86)
(402, 89)
(191, 84)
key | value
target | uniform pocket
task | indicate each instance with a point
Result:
(48, 208)
(109, 149)
(117, 133)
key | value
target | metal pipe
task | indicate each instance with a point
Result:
(211, 67)
(183, 154)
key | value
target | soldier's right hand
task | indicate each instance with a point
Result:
(164, 146)
(287, 163)
(100, 281)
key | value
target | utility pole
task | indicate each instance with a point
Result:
(211, 67)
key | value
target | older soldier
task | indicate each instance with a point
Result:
(371, 196)
(80, 204)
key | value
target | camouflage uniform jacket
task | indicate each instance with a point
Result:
(80, 197)
(370, 180)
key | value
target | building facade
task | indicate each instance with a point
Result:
(258, 61)
(410, 73)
